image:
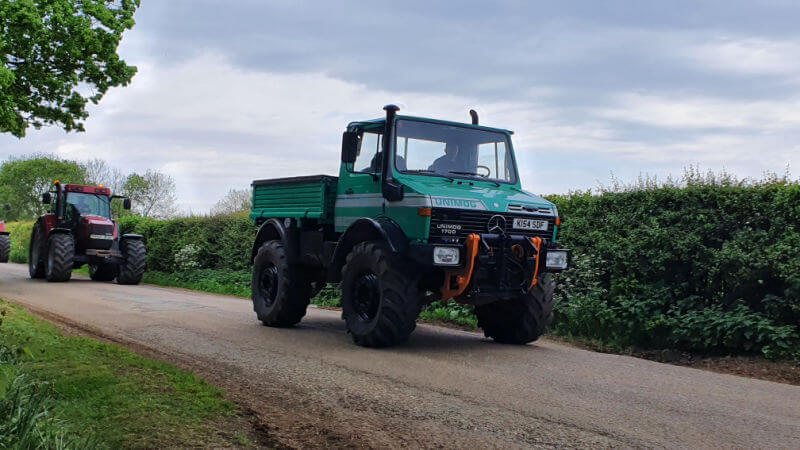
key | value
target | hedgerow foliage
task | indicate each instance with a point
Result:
(708, 264)
(216, 242)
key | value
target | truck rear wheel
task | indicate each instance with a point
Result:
(60, 254)
(36, 253)
(5, 248)
(102, 272)
(132, 270)
(521, 320)
(280, 291)
(380, 298)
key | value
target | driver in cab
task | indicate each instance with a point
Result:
(448, 162)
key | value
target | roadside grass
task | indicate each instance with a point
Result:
(60, 391)
(237, 283)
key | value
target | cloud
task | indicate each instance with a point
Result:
(227, 93)
(750, 56)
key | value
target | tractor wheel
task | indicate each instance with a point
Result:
(281, 291)
(380, 297)
(5, 248)
(102, 272)
(521, 320)
(60, 254)
(134, 254)
(36, 253)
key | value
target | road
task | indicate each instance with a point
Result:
(311, 386)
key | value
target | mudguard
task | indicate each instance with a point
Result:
(271, 230)
(366, 229)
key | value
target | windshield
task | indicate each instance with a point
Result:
(88, 204)
(453, 151)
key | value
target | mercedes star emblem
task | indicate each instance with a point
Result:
(497, 224)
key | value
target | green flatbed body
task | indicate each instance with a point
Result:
(307, 197)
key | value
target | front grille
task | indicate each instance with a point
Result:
(458, 223)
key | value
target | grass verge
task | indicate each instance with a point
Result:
(60, 391)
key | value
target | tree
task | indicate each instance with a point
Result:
(24, 180)
(52, 52)
(235, 200)
(99, 172)
(152, 194)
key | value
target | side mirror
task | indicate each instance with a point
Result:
(349, 147)
(46, 198)
(126, 203)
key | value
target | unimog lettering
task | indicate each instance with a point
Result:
(446, 202)
(448, 228)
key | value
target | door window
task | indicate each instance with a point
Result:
(369, 154)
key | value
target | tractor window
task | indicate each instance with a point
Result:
(369, 154)
(87, 205)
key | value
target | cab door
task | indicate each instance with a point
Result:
(359, 189)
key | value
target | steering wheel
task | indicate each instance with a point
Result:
(488, 171)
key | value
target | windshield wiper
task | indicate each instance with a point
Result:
(429, 171)
(474, 174)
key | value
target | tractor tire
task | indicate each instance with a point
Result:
(380, 297)
(5, 248)
(132, 270)
(280, 291)
(520, 320)
(102, 272)
(36, 253)
(60, 255)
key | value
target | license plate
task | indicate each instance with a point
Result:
(530, 224)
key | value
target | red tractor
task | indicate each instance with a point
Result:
(5, 241)
(79, 231)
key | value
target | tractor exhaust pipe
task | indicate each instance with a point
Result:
(59, 202)
(474, 115)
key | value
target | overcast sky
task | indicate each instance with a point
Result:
(231, 91)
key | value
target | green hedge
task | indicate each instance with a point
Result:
(714, 269)
(218, 242)
(20, 235)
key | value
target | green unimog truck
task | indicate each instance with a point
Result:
(442, 217)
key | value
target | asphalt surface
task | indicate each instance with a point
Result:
(310, 386)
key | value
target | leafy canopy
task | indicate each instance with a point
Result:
(57, 55)
(23, 181)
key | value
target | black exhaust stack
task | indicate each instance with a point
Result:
(392, 190)
(474, 115)
(59, 202)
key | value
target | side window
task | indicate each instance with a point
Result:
(369, 154)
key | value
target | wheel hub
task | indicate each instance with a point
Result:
(269, 284)
(366, 296)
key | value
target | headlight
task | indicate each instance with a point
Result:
(445, 256)
(556, 259)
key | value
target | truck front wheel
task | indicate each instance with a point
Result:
(520, 320)
(380, 298)
(280, 291)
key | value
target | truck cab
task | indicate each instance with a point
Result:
(444, 215)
